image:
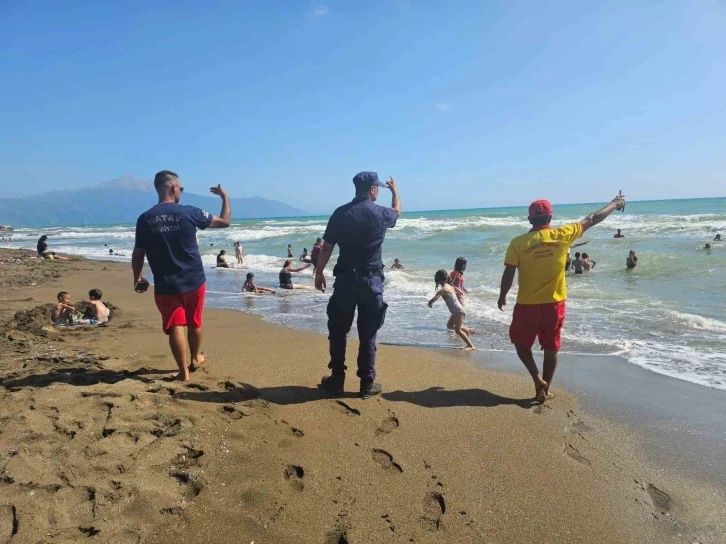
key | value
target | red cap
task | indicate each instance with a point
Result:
(540, 208)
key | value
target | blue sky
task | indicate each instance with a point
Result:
(467, 103)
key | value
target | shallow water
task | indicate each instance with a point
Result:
(667, 315)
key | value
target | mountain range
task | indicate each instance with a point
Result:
(120, 201)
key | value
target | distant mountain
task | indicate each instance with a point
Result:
(119, 201)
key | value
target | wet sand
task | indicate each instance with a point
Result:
(95, 442)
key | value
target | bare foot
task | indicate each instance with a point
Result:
(540, 392)
(181, 376)
(196, 364)
(469, 348)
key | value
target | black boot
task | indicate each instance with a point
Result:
(369, 389)
(334, 385)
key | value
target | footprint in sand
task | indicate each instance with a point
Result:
(346, 408)
(8, 522)
(434, 506)
(234, 413)
(658, 499)
(576, 455)
(388, 425)
(295, 474)
(385, 459)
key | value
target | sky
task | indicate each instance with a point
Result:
(466, 103)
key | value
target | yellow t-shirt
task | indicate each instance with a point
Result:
(540, 257)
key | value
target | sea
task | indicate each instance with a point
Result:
(667, 315)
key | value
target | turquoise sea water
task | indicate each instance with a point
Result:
(667, 315)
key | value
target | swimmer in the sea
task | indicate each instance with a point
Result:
(397, 265)
(222, 260)
(632, 260)
(250, 287)
(286, 276)
(717, 238)
(619, 234)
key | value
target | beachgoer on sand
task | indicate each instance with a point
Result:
(359, 228)
(285, 276)
(222, 260)
(63, 313)
(540, 256)
(250, 287)
(239, 253)
(619, 234)
(46, 253)
(100, 313)
(166, 235)
(397, 265)
(453, 297)
(632, 260)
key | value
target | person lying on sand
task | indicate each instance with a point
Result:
(286, 276)
(63, 313)
(250, 287)
(100, 311)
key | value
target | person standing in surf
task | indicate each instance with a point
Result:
(540, 256)
(166, 236)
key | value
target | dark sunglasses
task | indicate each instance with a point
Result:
(181, 189)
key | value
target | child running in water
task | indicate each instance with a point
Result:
(250, 287)
(452, 297)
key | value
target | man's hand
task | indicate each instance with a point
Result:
(502, 302)
(619, 202)
(218, 191)
(141, 285)
(320, 281)
(431, 304)
(391, 184)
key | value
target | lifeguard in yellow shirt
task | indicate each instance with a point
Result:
(540, 256)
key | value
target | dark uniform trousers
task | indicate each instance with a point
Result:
(364, 291)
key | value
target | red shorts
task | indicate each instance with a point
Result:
(545, 321)
(181, 310)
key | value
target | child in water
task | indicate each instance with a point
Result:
(452, 297)
(250, 287)
(457, 277)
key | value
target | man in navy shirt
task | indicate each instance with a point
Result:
(167, 236)
(358, 228)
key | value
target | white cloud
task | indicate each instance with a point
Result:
(443, 106)
(318, 12)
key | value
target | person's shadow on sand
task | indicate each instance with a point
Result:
(81, 376)
(438, 397)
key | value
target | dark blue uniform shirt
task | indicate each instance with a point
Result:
(359, 228)
(168, 234)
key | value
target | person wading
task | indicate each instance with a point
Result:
(540, 256)
(359, 228)
(166, 235)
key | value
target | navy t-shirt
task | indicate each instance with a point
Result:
(168, 234)
(359, 228)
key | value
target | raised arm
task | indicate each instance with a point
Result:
(618, 203)
(221, 222)
(325, 252)
(506, 285)
(395, 198)
(299, 269)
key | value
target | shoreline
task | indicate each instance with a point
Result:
(251, 449)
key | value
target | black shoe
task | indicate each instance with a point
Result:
(335, 385)
(370, 389)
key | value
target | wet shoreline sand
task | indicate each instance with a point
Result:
(94, 441)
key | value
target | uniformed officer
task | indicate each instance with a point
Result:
(358, 228)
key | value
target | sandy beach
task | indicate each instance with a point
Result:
(96, 442)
